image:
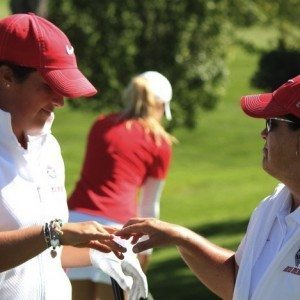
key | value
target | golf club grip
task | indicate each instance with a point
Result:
(118, 292)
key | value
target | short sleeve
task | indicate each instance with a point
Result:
(161, 162)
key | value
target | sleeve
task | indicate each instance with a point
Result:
(149, 204)
(161, 163)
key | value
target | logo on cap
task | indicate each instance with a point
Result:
(70, 49)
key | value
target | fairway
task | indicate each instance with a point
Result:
(214, 183)
(215, 180)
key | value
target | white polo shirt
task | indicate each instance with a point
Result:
(32, 192)
(283, 228)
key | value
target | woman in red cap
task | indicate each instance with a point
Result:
(266, 265)
(128, 154)
(37, 70)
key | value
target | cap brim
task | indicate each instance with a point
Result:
(261, 106)
(69, 83)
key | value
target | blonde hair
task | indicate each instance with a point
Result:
(141, 105)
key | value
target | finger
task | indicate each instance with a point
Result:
(123, 236)
(111, 229)
(135, 238)
(115, 246)
(101, 236)
(98, 246)
(133, 229)
(119, 255)
(134, 221)
(105, 231)
(142, 246)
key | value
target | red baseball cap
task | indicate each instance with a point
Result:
(285, 100)
(31, 41)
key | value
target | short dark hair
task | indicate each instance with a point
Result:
(21, 73)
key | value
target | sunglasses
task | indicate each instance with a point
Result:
(271, 123)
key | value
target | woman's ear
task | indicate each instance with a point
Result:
(6, 77)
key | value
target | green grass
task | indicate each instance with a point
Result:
(214, 183)
(215, 179)
(3, 8)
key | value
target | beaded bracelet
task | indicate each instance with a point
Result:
(52, 233)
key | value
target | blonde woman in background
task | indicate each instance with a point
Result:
(127, 157)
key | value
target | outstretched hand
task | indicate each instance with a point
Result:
(160, 233)
(93, 235)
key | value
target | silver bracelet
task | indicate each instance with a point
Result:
(52, 234)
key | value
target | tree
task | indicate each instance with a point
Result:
(184, 40)
(281, 61)
(278, 65)
(23, 6)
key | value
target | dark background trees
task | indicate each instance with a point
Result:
(188, 41)
(281, 61)
(185, 40)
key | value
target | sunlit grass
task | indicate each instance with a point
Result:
(215, 179)
(3, 8)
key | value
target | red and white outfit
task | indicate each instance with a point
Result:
(32, 192)
(120, 162)
(269, 255)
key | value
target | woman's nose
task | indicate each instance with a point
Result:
(58, 100)
(264, 133)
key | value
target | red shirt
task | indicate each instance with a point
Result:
(117, 162)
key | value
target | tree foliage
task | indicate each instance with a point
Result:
(282, 15)
(278, 65)
(184, 40)
(275, 68)
(280, 61)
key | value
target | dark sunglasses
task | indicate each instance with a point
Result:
(271, 123)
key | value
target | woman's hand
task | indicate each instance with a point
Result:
(91, 234)
(160, 233)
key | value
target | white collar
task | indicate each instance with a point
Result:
(8, 138)
(285, 206)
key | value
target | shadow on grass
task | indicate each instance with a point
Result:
(223, 228)
(171, 279)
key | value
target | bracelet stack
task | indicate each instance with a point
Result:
(52, 233)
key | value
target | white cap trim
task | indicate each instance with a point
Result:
(168, 111)
(161, 88)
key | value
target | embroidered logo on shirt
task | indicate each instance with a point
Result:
(294, 270)
(297, 258)
(51, 172)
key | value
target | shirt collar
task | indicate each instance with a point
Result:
(285, 207)
(8, 138)
(284, 211)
